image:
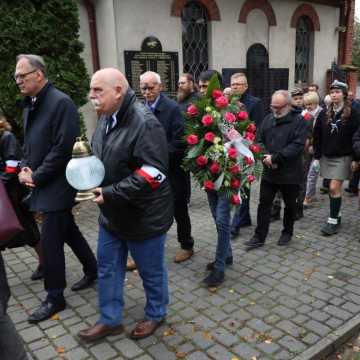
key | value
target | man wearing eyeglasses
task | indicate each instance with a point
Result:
(51, 125)
(255, 109)
(168, 113)
(283, 134)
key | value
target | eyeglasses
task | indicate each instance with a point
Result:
(144, 88)
(23, 76)
(238, 84)
(203, 86)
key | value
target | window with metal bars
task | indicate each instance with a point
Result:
(303, 50)
(194, 20)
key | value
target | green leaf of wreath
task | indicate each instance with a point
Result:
(196, 150)
(214, 84)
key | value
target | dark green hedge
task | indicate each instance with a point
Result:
(49, 28)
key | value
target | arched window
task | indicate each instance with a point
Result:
(303, 52)
(194, 20)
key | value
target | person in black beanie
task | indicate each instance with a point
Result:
(333, 149)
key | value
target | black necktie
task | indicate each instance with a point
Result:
(109, 124)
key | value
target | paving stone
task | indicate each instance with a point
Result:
(103, 351)
(245, 351)
(317, 327)
(31, 334)
(293, 345)
(128, 348)
(160, 352)
(76, 354)
(45, 353)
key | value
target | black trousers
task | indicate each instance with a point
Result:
(268, 191)
(58, 228)
(179, 180)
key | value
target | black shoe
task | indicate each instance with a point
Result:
(215, 278)
(284, 239)
(228, 261)
(84, 283)
(46, 310)
(37, 274)
(253, 243)
(330, 228)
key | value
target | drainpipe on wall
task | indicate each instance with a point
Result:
(93, 34)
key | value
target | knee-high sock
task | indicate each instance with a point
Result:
(335, 205)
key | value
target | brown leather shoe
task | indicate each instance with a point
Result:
(130, 265)
(145, 328)
(183, 255)
(98, 331)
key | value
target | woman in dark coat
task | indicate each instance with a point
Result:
(333, 149)
(10, 155)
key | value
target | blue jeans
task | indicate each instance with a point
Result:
(149, 256)
(242, 214)
(221, 211)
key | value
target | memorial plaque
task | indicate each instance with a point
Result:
(166, 64)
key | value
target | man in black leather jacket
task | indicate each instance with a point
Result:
(135, 203)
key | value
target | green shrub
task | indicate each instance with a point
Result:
(49, 28)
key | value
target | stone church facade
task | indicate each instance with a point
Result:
(279, 43)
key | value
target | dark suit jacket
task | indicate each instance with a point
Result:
(168, 113)
(51, 126)
(254, 106)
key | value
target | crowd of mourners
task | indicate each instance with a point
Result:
(142, 147)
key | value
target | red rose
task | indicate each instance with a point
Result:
(232, 153)
(221, 102)
(201, 160)
(307, 116)
(235, 183)
(208, 185)
(235, 200)
(248, 161)
(254, 148)
(216, 93)
(235, 169)
(207, 120)
(251, 178)
(230, 117)
(214, 167)
(192, 110)
(250, 136)
(242, 115)
(251, 128)
(209, 136)
(192, 139)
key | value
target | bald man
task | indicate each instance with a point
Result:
(135, 204)
(51, 125)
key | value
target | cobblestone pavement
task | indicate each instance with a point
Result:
(276, 301)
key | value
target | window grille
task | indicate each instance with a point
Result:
(194, 20)
(302, 52)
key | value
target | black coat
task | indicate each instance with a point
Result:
(132, 209)
(4, 289)
(284, 139)
(167, 111)
(254, 106)
(333, 143)
(51, 126)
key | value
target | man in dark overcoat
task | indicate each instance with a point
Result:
(168, 113)
(51, 125)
